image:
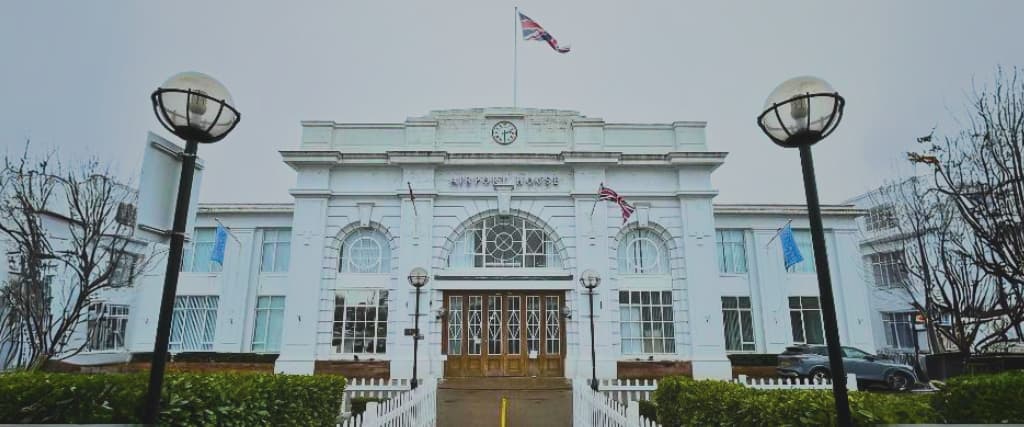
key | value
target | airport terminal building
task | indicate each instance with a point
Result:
(500, 206)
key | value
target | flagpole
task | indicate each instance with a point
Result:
(515, 60)
(597, 199)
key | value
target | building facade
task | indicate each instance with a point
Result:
(500, 206)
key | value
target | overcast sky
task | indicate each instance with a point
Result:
(76, 75)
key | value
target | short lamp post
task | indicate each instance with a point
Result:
(589, 279)
(198, 109)
(417, 278)
(798, 113)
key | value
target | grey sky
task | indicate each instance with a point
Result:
(77, 75)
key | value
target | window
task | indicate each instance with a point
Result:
(277, 247)
(899, 329)
(888, 269)
(880, 218)
(106, 326)
(854, 353)
(123, 273)
(193, 323)
(805, 318)
(803, 242)
(739, 324)
(360, 321)
(642, 252)
(196, 257)
(365, 251)
(645, 322)
(732, 251)
(504, 241)
(266, 336)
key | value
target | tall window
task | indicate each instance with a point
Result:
(888, 269)
(504, 241)
(645, 322)
(193, 323)
(732, 251)
(107, 324)
(365, 251)
(360, 321)
(123, 273)
(196, 256)
(739, 324)
(642, 251)
(805, 317)
(881, 217)
(277, 247)
(266, 336)
(899, 329)
(803, 242)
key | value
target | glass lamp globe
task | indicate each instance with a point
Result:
(590, 279)
(195, 107)
(418, 277)
(801, 111)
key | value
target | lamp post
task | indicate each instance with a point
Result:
(589, 279)
(198, 109)
(798, 113)
(417, 278)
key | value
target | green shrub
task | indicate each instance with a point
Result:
(189, 399)
(995, 398)
(685, 402)
(359, 403)
(648, 409)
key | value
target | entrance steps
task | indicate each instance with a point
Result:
(532, 402)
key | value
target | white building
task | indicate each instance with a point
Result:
(503, 215)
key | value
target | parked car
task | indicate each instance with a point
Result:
(811, 361)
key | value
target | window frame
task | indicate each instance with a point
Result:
(211, 305)
(267, 313)
(189, 254)
(100, 316)
(801, 310)
(880, 218)
(277, 242)
(889, 325)
(891, 270)
(720, 249)
(116, 273)
(380, 326)
(383, 262)
(805, 243)
(475, 247)
(667, 339)
(627, 261)
(740, 310)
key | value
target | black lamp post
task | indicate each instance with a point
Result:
(798, 113)
(417, 278)
(589, 279)
(198, 109)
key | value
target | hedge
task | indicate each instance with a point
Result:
(189, 399)
(682, 401)
(359, 403)
(989, 398)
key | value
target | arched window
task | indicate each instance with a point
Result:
(365, 251)
(642, 251)
(504, 242)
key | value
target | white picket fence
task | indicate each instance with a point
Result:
(415, 408)
(793, 383)
(634, 390)
(592, 409)
(373, 387)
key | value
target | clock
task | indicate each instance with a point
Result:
(504, 132)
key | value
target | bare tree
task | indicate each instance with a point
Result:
(69, 235)
(979, 171)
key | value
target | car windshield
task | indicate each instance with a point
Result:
(854, 353)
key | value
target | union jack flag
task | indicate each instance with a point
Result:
(533, 31)
(605, 193)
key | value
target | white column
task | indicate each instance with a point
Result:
(592, 253)
(771, 279)
(235, 299)
(853, 309)
(704, 296)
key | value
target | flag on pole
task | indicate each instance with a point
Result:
(219, 244)
(605, 193)
(790, 251)
(533, 31)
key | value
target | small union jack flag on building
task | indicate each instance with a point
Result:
(605, 193)
(533, 31)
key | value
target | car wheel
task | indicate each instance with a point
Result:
(819, 375)
(898, 381)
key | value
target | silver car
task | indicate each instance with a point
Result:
(811, 361)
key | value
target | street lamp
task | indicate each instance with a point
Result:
(589, 279)
(198, 109)
(798, 113)
(417, 278)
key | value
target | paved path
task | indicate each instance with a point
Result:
(476, 402)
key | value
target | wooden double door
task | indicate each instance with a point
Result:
(504, 334)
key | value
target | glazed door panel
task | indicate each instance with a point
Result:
(504, 333)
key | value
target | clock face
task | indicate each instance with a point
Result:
(504, 132)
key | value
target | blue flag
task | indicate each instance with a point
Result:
(218, 246)
(790, 251)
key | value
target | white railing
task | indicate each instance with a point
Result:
(373, 387)
(416, 408)
(591, 409)
(628, 390)
(793, 383)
